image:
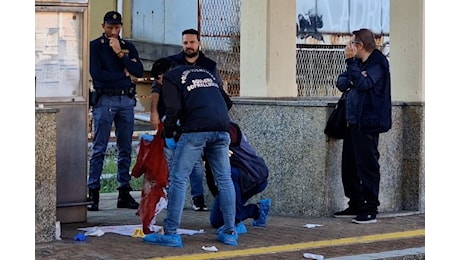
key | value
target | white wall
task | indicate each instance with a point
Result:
(163, 21)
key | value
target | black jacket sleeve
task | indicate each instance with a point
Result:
(227, 99)
(132, 61)
(173, 105)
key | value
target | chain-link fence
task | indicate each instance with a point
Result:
(317, 65)
(219, 26)
(317, 70)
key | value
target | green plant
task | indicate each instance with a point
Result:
(109, 181)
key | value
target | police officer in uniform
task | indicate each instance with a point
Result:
(112, 63)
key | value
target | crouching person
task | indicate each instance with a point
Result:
(249, 175)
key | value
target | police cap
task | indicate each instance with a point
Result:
(112, 17)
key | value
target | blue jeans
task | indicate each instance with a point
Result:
(120, 111)
(196, 177)
(189, 149)
(243, 211)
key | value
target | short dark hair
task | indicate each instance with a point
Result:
(161, 66)
(192, 31)
(367, 37)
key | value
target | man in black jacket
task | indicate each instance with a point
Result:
(368, 113)
(157, 115)
(193, 97)
(192, 55)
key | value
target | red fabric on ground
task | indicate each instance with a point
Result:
(150, 196)
(151, 162)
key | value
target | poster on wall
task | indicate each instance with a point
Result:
(331, 22)
(58, 55)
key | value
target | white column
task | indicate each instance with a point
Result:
(407, 49)
(268, 48)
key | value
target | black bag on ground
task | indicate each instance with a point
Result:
(336, 125)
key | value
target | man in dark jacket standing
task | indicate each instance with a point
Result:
(192, 55)
(157, 116)
(368, 113)
(112, 62)
(192, 95)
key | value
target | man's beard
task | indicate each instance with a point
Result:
(192, 54)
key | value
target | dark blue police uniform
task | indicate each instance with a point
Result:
(115, 104)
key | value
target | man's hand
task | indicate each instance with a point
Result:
(350, 51)
(127, 74)
(115, 44)
(154, 120)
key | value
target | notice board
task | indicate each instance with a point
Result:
(59, 50)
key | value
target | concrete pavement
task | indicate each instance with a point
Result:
(396, 235)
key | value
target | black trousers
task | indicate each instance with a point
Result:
(361, 170)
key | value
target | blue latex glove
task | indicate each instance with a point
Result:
(80, 237)
(170, 143)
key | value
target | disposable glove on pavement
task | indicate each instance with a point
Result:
(170, 143)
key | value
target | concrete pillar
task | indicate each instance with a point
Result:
(268, 49)
(45, 174)
(407, 50)
(407, 67)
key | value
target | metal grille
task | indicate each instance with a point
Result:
(317, 65)
(219, 26)
(317, 70)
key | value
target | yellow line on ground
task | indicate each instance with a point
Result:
(301, 246)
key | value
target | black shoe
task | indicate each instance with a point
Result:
(347, 213)
(125, 200)
(93, 207)
(94, 199)
(198, 204)
(365, 219)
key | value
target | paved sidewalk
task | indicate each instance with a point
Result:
(398, 235)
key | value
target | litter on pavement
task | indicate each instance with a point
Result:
(128, 230)
(313, 256)
(312, 225)
(210, 248)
